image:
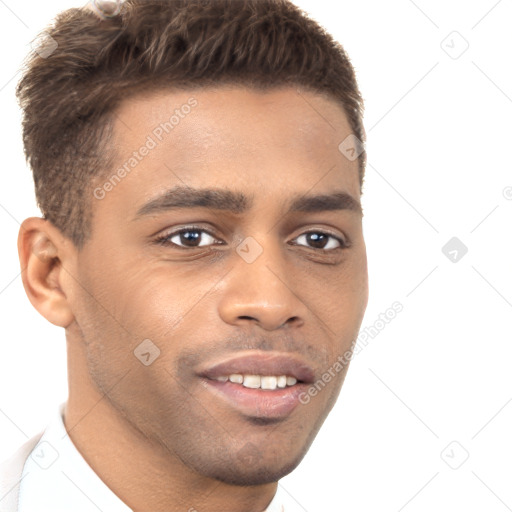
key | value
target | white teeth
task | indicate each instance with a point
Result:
(281, 381)
(268, 382)
(252, 381)
(290, 381)
(259, 381)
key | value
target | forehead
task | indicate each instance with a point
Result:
(271, 142)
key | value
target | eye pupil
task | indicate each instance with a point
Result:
(318, 240)
(184, 238)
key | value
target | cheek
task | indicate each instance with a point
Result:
(142, 300)
(338, 302)
(338, 297)
(155, 307)
(114, 317)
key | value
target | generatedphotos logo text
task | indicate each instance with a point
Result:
(344, 359)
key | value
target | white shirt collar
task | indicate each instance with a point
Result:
(56, 478)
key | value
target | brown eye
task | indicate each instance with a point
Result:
(188, 238)
(321, 240)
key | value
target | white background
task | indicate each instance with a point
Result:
(439, 137)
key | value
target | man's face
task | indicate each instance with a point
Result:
(246, 277)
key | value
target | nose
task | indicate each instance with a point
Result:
(263, 292)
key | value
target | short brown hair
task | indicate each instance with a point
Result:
(70, 96)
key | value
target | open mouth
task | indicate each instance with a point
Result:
(270, 382)
(257, 402)
(259, 385)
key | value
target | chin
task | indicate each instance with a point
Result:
(254, 474)
(249, 466)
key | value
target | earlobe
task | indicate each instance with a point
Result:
(40, 252)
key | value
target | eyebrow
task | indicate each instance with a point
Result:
(236, 202)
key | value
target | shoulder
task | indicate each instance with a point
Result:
(11, 471)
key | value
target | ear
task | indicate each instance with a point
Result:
(42, 249)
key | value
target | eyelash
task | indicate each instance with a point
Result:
(165, 239)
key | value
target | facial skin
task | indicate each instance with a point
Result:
(157, 435)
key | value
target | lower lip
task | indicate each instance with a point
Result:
(259, 403)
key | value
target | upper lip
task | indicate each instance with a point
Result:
(262, 364)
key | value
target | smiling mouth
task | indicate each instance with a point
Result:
(268, 382)
(257, 402)
(259, 385)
